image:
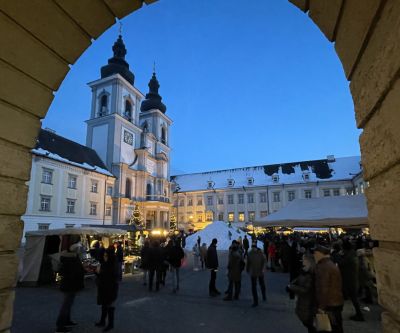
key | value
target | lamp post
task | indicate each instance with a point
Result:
(176, 191)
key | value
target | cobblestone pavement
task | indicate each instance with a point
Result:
(189, 311)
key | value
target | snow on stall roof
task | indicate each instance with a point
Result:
(343, 168)
(46, 153)
(220, 231)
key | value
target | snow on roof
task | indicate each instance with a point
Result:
(219, 230)
(58, 148)
(343, 168)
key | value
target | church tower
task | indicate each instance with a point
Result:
(132, 139)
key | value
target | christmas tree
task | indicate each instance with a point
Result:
(136, 217)
(172, 223)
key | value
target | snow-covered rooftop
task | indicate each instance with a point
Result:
(343, 168)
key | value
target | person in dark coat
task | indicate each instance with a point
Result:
(155, 263)
(303, 287)
(164, 263)
(212, 265)
(107, 288)
(349, 268)
(294, 263)
(235, 267)
(255, 268)
(175, 255)
(144, 261)
(119, 253)
(72, 274)
(246, 245)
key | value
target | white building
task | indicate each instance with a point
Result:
(128, 134)
(244, 194)
(69, 185)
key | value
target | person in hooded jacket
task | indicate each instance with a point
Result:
(303, 287)
(235, 267)
(107, 288)
(72, 274)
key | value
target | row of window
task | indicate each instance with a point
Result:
(276, 197)
(47, 178)
(45, 206)
(251, 215)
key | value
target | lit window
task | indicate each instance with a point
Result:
(209, 216)
(43, 226)
(263, 197)
(72, 180)
(277, 196)
(94, 186)
(199, 217)
(327, 193)
(291, 195)
(93, 208)
(231, 217)
(336, 192)
(45, 203)
(307, 194)
(263, 213)
(220, 200)
(230, 199)
(252, 216)
(250, 181)
(47, 176)
(275, 178)
(250, 197)
(241, 217)
(71, 206)
(220, 216)
(241, 199)
(362, 188)
(209, 200)
(108, 210)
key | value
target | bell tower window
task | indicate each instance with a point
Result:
(128, 110)
(163, 135)
(103, 106)
(128, 188)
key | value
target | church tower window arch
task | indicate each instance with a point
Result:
(128, 109)
(163, 135)
(128, 188)
(103, 104)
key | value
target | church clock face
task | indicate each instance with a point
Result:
(128, 138)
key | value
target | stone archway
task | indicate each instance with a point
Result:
(41, 38)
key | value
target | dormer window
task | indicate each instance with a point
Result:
(210, 184)
(275, 178)
(250, 181)
(231, 182)
(128, 111)
(306, 176)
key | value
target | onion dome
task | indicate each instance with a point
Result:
(153, 99)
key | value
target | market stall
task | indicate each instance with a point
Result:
(327, 212)
(43, 247)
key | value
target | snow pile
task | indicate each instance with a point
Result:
(219, 230)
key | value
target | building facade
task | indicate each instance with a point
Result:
(243, 195)
(130, 133)
(69, 185)
(125, 163)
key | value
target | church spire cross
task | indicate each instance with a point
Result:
(120, 28)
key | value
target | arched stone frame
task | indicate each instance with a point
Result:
(366, 36)
(164, 134)
(128, 187)
(103, 104)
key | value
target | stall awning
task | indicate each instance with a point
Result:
(341, 211)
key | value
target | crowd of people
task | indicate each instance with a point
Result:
(323, 272)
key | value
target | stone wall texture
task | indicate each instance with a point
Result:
(41, 38)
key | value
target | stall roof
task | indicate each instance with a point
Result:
(92, 231)
(341, 211)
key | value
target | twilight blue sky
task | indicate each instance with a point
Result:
(245, 82)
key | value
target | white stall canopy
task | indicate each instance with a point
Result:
(340, 211)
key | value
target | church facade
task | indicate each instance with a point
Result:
(125, 163)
